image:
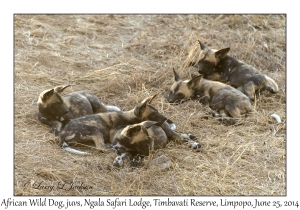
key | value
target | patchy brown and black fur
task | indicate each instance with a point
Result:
(138, 140)
(217, 95)
(56, 110)
(101, 128)
(217, 65)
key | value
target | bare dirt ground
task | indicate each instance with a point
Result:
(125, 58)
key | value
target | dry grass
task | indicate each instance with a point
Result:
(124, 58)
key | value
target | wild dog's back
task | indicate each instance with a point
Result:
(96, 127)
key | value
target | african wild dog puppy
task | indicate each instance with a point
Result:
(217, 65)
(56, 110)
(138, 140)
(102, 127)
(217, 95)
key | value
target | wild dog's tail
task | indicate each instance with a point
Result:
(271, 85)
(66, 147)
(171, 124)
(112, 108)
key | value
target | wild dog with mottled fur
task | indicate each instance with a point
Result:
(217, 65)
(138, 140)
(217, 95)
(101, 128)
(56, 110)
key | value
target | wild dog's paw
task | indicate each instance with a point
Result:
(118, 162)
(195, 146)
(192, 137)
(192, 63)
(136, 161)
(187, 137)
(228, 121)
(55, 130)
(110, 147)
(217, 115)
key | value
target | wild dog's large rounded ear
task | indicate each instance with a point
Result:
(138, 110)
(60, 89)
(222, 53)
(202, 46)
(152, 97)
(141, 107)
(46, 95)
(132, 131)
(176, 76)
(194, 81)
(149, 99)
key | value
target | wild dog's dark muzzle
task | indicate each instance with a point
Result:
(175, 98)
(67, 117)
(171, 99)
(59, 110)
(205, 67)
(64, 116)
(160, 118)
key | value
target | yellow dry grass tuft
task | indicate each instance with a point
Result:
(124, 58)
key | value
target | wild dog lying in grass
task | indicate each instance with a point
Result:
(219, 96)
(138, 140)
(217, 65)
(56, 110)
(102, 127)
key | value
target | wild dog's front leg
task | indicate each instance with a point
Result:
(224, 118)
(173, 136)
(203, 98)
(233, 110)
(191, 140)
(192, 63)
(55, 125)
(249, 90)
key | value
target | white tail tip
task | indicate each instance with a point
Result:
(112, 108)
(74, 151)
(172, 126)
(276, 117)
